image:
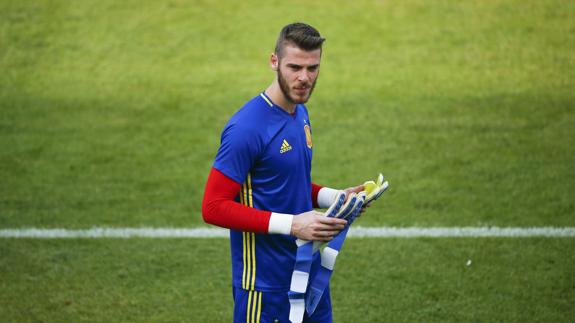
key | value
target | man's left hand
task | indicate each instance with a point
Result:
(355, 189)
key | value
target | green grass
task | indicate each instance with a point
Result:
(389, 280)
(115, 281)
(111, 112)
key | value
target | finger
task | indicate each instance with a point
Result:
(332, 221)
(355, 189)
(316, 236)
(333, 228)
(328, 239)
(328, 228)
(357, 207)
(337, 204)
(384, 187)
(380, 179)
(347, 207)
(325, 234)
(373, 194)
(380, 191)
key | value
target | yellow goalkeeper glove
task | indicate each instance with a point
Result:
(374, 190)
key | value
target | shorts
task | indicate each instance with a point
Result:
(273, 307)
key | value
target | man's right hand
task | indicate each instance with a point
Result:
(315, 226)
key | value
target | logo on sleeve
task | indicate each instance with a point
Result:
(285, 147)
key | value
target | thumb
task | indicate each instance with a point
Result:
(355, 189)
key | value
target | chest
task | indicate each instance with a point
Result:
(290, 149)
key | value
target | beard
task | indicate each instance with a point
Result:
(286, 89)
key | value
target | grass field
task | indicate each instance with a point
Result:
(111, 111)
(408, 280)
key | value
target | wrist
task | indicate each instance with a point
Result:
(280, 223)
(326, 196)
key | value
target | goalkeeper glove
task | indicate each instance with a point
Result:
(375, 189)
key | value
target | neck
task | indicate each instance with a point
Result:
(277, 96)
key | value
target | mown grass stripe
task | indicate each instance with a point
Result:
(358, 232)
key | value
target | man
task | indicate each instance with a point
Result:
(260, 184)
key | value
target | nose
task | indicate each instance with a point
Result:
(303, 76)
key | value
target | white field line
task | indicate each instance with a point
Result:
(357, 232)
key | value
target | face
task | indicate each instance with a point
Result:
(297, 72)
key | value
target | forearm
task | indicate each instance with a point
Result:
(219, 208)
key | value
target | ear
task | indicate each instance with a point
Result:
(274, 61)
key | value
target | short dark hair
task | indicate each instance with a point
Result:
(301, 35)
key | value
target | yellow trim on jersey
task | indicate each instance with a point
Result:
(249, 240)
(254, 307)
(245, 247)
(267, 100)
(250, 190)
(253, 236)
(248, 260)
(259, 307)
(246, 193)
(248, 311)
(244, 241)
(252, 286)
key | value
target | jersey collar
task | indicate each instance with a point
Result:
(275, 106)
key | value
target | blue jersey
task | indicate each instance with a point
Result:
(269, 152)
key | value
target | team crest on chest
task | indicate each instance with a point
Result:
(307, 136)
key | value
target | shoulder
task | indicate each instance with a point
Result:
(256, 118)
(250, 115)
